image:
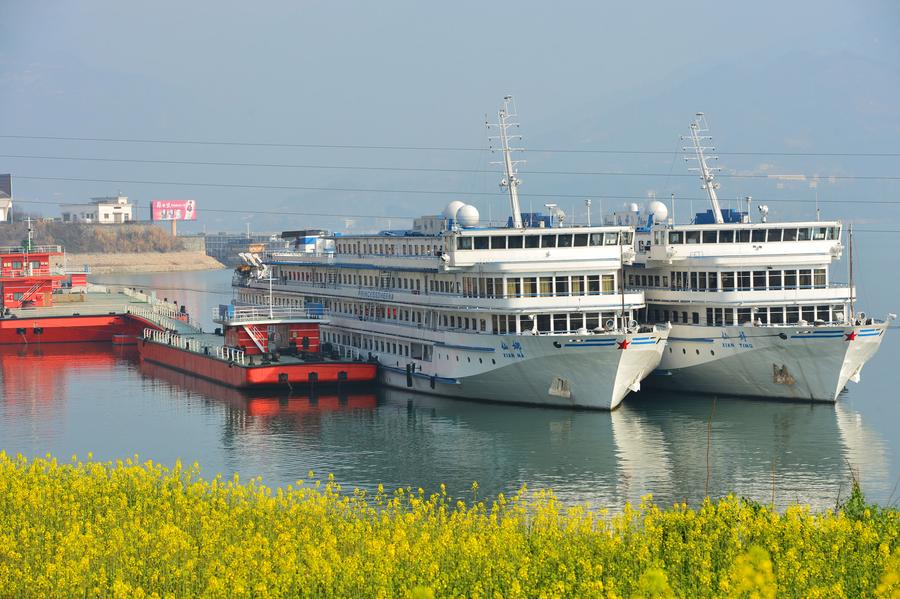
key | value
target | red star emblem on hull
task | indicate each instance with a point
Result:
(623, 344)
(850, 336)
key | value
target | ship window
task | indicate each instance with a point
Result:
(498, 242)
(744, 280)
(610, 238)
(596, 238)
(834, 233)
(514, 242)
(803, 234)
(759, 279)
(559, 323)
(543, 323)
(665, 281)
(819, 277)
(548, 241)
(592, 320)
(481, 243)
(676, 237)
(562, 285)
(790, 279)
(593, 284)
(709, 236)
(514, 287)
(529, 286)
(790, 235)
(578, 285)
(774, 279)
(462, 243)
(546, 286)
(822, 313)
(793, 314)
(608, 283)
(565, 241)
(818, 233)
(805, 279)
(674, 315)
(576, 321)
(728, 281)
(626, 237)
(808, 313)
(729, 316)
(774, 235)
(692, 236)
(759, 235)
(726, 236)
(581, 240)
(743, 315)
(694, 284)
(695, 317)
(532, 241)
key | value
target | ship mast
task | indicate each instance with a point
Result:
(510, 181)
(698, 127)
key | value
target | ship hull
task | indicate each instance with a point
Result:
(245, 377)
(70, 329)
(806, 363)
(577, 371)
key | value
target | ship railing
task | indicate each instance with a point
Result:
(173, 340)
(151, 314)
(237, 314)
(172, 316)
(231, 354)
(35, 249)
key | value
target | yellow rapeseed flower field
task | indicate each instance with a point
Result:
(138, 529)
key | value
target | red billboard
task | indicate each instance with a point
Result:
(174, 209)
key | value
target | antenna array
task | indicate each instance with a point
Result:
(510, 181)
(699, 127)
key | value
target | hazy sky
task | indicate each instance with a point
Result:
(773, 77)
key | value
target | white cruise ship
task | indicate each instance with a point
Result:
(753, 307)
(532, 313)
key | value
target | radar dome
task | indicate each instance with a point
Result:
(632, 207)
(467, 216)
(452, 208)
(658, 210)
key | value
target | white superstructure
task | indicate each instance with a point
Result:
(529, 313)
(753, 307)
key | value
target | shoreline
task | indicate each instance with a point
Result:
(144, 262)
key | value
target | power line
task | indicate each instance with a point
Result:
(424, 191)
(449, 170)
(426, 148)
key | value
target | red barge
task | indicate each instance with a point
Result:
(256, 347)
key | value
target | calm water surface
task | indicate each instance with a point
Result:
(78, 399)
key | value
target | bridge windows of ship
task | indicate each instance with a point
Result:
(543, 240)
(755, 235)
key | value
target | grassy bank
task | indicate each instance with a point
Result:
(135, 529)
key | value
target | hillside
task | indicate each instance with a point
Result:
(79, 238)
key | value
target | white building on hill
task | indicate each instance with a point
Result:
(104, 211)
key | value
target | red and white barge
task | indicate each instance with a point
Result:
(257, 347)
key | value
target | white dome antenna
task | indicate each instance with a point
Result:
(467, 216)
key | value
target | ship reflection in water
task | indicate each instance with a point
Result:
(74, 399)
